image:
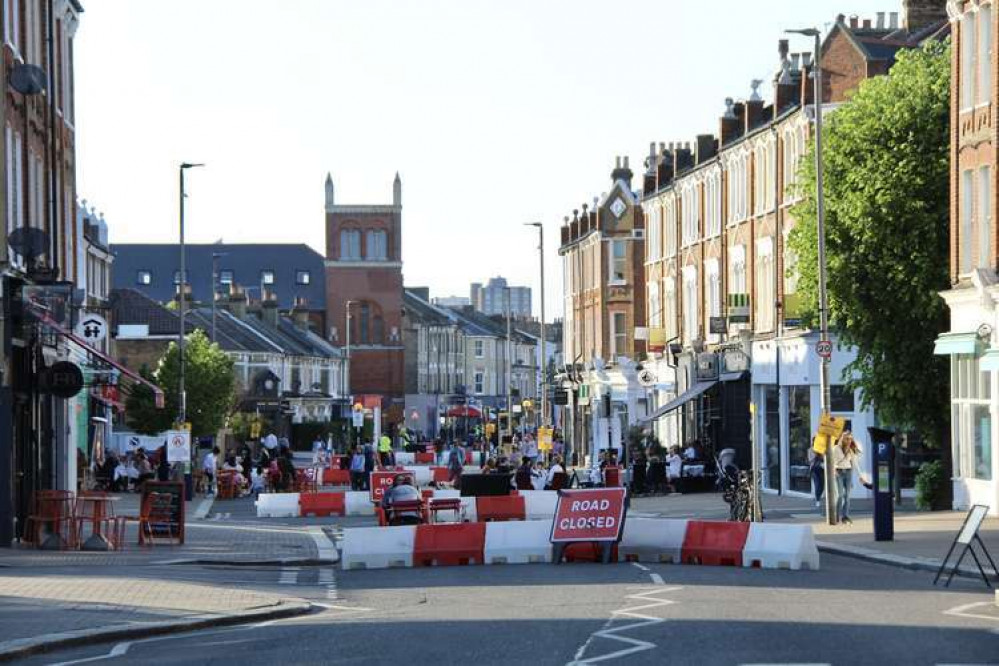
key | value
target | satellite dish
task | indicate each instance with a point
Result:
(28, 242)
(27, 79)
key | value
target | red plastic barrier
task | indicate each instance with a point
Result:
(340, 461)
(321, 504)
(587, 551)
(612, 477)
(440, 474)
(500, 507)
(714, 542)
(449, 544)
(336, 477)
(468, 456)
(424, 458)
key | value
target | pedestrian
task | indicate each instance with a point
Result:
(258, 481)
(208, 466)
(846, 457)
(402, 490)
(369, 464)
(555, 469)
(357, 465)
(270, 442)
(455, 464)
(385, 450)
(817, 470)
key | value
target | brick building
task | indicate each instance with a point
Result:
(723, 312)
(973, 343)
(364, 291)
(603, 251)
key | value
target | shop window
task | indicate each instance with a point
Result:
(840, 398)
(800, 437)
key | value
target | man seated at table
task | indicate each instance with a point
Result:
(402, 490)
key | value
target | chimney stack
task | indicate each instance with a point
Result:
(269, 308)
(881, 20)
(622, 171)
(706, 148)
(919, 14)
(236, 303)
(893, 21)
(854, 22)
(729, 126)
(300, 313)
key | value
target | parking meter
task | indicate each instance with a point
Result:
(883, 468)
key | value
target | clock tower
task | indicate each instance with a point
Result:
(364, 294)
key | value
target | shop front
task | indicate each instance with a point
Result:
(787, 395)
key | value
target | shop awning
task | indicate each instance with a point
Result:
(72, 337)
(990, 361)
(681, 400)
(949, 344)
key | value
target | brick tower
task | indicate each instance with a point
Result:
(364, 270)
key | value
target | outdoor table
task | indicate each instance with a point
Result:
(98, 509)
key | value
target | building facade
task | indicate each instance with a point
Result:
(364, 295)
(603, 252)
(724, 315)
(497, 296)
(973, 340)
(38, 249)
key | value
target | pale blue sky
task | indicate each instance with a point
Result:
(495, 113)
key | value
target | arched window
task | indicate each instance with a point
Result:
(377, 246)
(378, 330)
(365, 336)
(350, 245)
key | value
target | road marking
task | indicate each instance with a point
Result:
(289, 576)
(119, 650)
(657, 579)
(612, 633)
(640, 566)
(959, 611)
(327, 549)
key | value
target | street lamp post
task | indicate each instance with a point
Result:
(346, 361)
(509, 368)
(544, 354)
(182, 392)
(824, 400)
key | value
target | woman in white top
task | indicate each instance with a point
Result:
(846, 458)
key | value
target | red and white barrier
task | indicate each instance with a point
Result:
(766, 545)
(277, 505)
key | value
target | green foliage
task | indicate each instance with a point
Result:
(886, 159)
(209, 381)
(141, 413)
(931, 486)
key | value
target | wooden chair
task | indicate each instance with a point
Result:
(57, 510)
(558, 481)
(227, 484)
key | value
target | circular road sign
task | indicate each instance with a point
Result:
(824, 348)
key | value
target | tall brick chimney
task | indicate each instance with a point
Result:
(706, 148)
(236, 303)
(300, 313)
(269, 308)
(664, 166)
(731, 126)
(919, 14)
(622, 171)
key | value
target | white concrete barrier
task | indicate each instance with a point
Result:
(446, 493)
(779, 546)
(404, 458)
(652, 540)
(277, 505)
(358, 503)
(378, 547)
(421, 474)
(539, 504)
(518, 542)
(468, 504)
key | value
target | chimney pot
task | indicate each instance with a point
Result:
(625, 161)
(893, 21)
(881, 20)
(806, 60)
(782, 49)
(794, 61)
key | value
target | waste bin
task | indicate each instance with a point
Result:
(883, 473)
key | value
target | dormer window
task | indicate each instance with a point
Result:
(144, 278)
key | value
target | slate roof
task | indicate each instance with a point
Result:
(246, 261)
(130, 306)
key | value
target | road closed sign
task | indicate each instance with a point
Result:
(380, 482)
(592, 514)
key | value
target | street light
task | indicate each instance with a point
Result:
(544, 356)
(182, 397)
(824, 399)
(345, 367)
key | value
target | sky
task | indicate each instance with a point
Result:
(494, 113)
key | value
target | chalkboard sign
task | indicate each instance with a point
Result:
(176, 508)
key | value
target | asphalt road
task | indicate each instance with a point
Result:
(850, 612)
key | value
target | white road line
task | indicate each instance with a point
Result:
(612, 633)
(959, 611)
(119, 650)
(657, 579)
(327, 549)
(640, 566)
(288, 577)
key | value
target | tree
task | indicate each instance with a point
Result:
(141, 412)
(886, 159)
(209, 381)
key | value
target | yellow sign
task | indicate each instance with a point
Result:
(819, 444)
(544, 439)
(255, 430)
(527, 404)
(831, 426)
(358, 407)
(490, 429)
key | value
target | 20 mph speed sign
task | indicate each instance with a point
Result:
(823, 348)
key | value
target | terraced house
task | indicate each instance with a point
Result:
(723, 313)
